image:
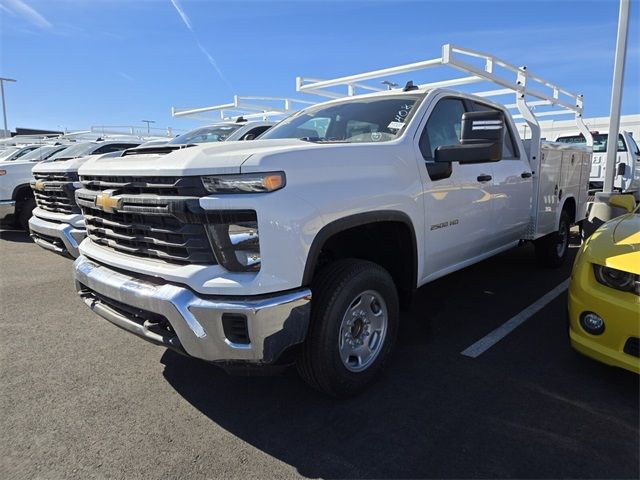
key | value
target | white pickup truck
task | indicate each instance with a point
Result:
(627, 164)
(57, 223)
(16, 198)
(302, 246)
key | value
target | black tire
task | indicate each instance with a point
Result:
(334, 290)
(552, 249)
(24, 212)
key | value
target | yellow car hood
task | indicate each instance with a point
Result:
(616, 244)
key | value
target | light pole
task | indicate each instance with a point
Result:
(601, 211)
(616, 96)
(4, 108)
(148, 122)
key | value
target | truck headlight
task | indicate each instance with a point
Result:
(618, 279)
(244, 183)
(234, 237)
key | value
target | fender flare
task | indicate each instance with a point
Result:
(27, 186)
(564, 203)
(357, 220)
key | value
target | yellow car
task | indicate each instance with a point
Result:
(604, 293)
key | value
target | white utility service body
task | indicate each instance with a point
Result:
(627, 164)
(445, 216)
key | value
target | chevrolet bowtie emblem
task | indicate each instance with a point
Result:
(108, 203)
(39, 185)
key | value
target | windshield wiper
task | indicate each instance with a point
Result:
(321, 140)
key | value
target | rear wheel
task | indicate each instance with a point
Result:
(24, 212)
(354, 323)
(552, 249)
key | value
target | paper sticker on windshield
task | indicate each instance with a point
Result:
(395, 125)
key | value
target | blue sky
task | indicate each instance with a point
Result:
(116, 62)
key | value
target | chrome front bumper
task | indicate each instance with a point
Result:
(7, 207)
(137, 305)
(61, 238)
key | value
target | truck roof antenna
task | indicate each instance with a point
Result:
(409, 86)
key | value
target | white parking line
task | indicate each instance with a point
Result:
(506, 328)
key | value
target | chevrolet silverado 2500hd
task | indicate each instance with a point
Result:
(16, 197)
(302, 246)
(57, 223)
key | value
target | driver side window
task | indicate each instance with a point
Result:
(443, 127)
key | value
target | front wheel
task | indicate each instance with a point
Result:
(552, 249)
(354, 323)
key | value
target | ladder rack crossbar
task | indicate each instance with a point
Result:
(243, 106)
(523, 83)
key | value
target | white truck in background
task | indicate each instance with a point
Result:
(301, 247)
(16, 198)
(57, 223)
(627, 165)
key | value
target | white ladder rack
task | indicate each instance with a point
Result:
(530, 91)
(245, 107)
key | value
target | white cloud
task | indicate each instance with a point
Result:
(21, 8)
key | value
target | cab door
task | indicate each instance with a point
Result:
(458, 201)
(512, 190)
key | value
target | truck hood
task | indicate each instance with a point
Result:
(616, 244)
(203, 159)
(16, 165)
(71, 165)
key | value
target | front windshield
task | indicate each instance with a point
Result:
(4, 154)
(74, 151)
(214, 133)
(41, 153)
(373, 119)
(599, 142)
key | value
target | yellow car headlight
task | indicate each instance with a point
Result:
(618, 279)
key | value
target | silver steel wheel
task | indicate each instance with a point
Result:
(563, 238)
(363, 330)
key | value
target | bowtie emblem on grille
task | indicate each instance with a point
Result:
(39, 185)
(106, 202)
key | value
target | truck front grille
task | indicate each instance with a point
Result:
(54, 192)
(149, 217)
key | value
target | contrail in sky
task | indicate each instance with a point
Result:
(212, 61)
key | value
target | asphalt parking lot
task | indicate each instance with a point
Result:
(80, 398)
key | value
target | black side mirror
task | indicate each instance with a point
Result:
(622, 169)
(482, 139)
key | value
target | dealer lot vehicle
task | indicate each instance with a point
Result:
(304, 245)
(16, 197)
(604, 294)
(56, 223)
(627, 164)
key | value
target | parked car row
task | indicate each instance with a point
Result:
(302, 246)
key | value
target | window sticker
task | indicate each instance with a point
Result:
(395, 125)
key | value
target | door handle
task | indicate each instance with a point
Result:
(525, 174)
(484, 178)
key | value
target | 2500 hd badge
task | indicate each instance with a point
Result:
(451, 223)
